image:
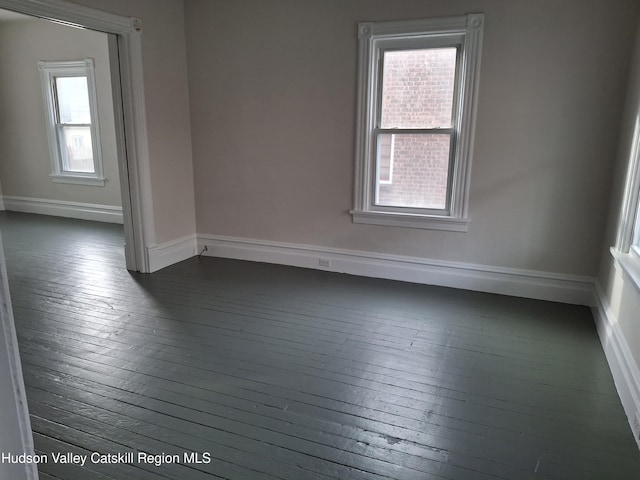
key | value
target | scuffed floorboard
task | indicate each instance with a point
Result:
(272, 372)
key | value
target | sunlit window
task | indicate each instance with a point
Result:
(71, 112)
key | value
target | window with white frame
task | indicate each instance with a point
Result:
(635, 239)
(627, 248)
(632, 244)
(417, 86)
(627, 252)
(72, 123)
(635, 249)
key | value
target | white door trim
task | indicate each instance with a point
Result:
(126, 48)
(16, 433)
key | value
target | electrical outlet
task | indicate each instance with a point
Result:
(324, 262)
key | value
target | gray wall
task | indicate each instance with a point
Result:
(25, 163)
(273, 88)
(167, 106)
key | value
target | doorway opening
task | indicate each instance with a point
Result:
(129, 122)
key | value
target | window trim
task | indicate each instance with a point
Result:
(49, 71)
(465, 31)
(627, 248)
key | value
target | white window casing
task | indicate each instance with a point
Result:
(627, 248)
(49, 72)
(465, 34)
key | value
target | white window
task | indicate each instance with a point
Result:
(632, 238)
(634, 246)
(628, 255)
(417, 85)
(71, 112)
(627, 248)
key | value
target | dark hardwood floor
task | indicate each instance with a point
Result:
(277, 372)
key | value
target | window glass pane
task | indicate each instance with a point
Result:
(385, 157)
(420, 164)
(417, 88)
(73, 100)
(77, 151)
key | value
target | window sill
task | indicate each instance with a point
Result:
(427, 222)
(630, 265)
(79, 180)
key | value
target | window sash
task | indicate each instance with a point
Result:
(67, 159)
(62, 127)
(375, 203)
(450, 129)
(433, 131)
(407, 45)
(424, 44)
(57, 90)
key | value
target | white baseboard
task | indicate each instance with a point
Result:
(60, 208)
(622, 364)
(168, 253)
(507, 281)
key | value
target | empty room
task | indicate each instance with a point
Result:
(320, 239)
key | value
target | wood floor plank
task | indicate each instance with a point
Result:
(94, 426)
(321, 431)
(295, 374)
(467, 408)
(544, 383)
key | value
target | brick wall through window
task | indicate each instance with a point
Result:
(418, 87)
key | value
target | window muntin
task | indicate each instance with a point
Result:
(71, 113)
(417, 85)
